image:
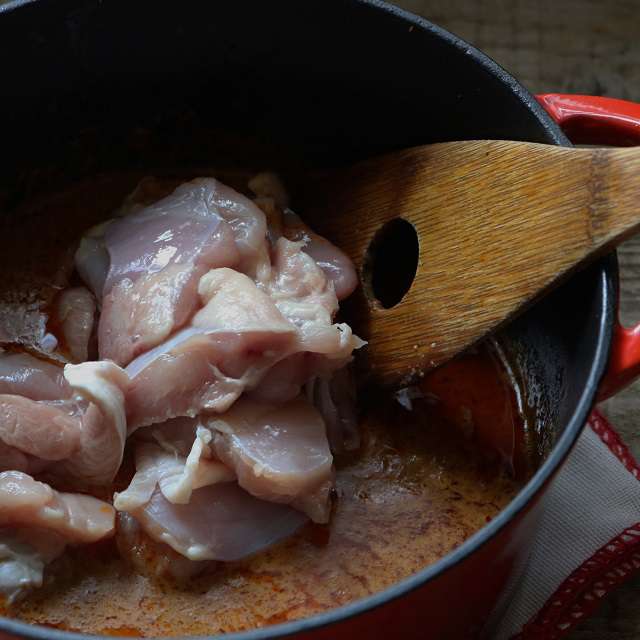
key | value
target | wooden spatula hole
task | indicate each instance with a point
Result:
(391, 262)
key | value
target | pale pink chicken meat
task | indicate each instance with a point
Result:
(183, 496)
(156, 256)
(43, 430)
(23, 379)
(27, 502)
(37, 522)
(306, 297)
(26, 375)
(287, 377)
(74, 313)
(221, 522)
(176, 435)
(152, 558)
(176, 457)
(92, 259)
(279, 453)
(24, 554)
(78, 437)
(335, 263)
(273, 199)
(230, 344)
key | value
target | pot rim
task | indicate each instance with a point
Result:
(608, 293)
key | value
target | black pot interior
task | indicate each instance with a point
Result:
(315, 81)
(96, 85)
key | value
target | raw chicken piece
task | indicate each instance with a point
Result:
(176, 435)
(49, 431)
(157, 255)
(181, 381)
(336, 264)
(79, 437)
(103, 386)
(152, 558)
(92, 259)
(22, 374)
(176, 467)
(137, 316)
(36, 522)
(286, 378)
(25, 375)
(274, 201)
(193, 224)
(329, 386)
(221, 522)
(234, 303)
(24, 553)
(228, 347)
(73, 316)
(27, 502)
(305, 296)
(280, 454)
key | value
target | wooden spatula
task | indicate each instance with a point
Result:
(492, 225)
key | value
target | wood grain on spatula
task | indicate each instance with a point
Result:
(498, 224)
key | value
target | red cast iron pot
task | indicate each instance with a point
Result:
(312, 83)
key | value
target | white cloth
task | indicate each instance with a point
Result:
(592, 499)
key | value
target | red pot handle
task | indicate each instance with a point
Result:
(595, 120)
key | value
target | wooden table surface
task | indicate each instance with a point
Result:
(579, 46)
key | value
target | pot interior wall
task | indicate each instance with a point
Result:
(554, 346)
(330, 81)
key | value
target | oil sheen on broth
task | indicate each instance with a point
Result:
(423, 481)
